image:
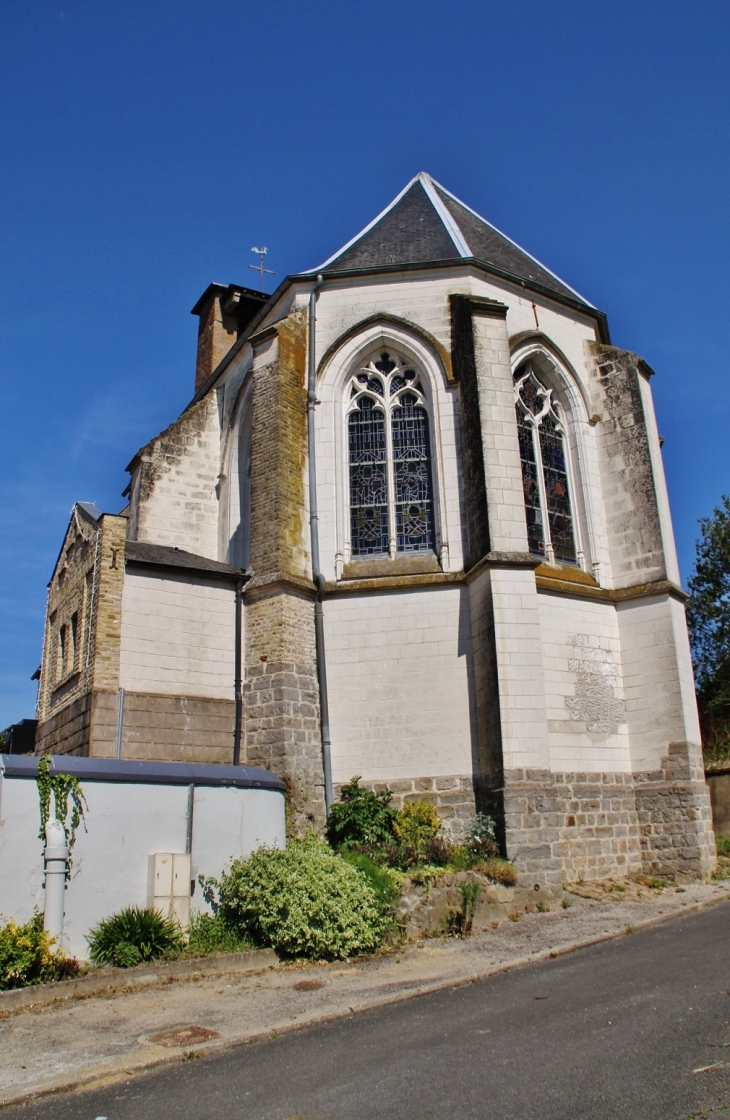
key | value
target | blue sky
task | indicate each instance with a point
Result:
(146, 146)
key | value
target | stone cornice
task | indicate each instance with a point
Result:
(276, 583)
(394, 583)
(614, 595)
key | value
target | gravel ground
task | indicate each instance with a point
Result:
(87, 1040)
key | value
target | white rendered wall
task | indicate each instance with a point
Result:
(660, 701)
(519, 665)
(397, 675)
(177, 635)
(584, 696)
(127, 822)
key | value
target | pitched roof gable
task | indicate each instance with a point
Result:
(425, 224)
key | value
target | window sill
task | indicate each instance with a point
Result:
(376, 567)
(567, 573)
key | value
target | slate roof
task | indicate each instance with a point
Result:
(425, 224)
(167, 556)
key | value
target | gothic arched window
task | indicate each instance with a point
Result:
(545, 470)
(389, 455)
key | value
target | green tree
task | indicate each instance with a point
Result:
(708, 615)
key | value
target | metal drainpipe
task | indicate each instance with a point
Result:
(317, 577)
(237, 681)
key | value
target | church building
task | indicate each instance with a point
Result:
(412, 526)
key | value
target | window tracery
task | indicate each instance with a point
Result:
(389, 457)
(546, 474)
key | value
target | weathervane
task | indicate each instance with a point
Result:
(260, 266)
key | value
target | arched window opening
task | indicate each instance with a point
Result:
(391, 490)
(546, 474)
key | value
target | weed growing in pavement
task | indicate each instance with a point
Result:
(655, 882)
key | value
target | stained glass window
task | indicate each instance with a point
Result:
(391, 495)
(545, 470)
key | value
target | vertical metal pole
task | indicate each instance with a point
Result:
(237, 678)
(191, 810)
(317, 577)
(120, 722)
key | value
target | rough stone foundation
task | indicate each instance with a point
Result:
(282, 733)
(570, 826)
(675, 816)
(67, 731)
(565, 827)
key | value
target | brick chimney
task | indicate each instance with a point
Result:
(223, 313)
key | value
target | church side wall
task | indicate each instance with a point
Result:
(177, 635)
(400, 683)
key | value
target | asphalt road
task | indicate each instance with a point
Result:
(611, 1031)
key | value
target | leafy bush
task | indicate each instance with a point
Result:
(304, 901)
(134, 935)
(208, 933)
(499, 871)
(481, 840)
(460, 858)
(27, 955)
(416, 824)
(361, 817)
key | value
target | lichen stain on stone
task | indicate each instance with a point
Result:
(168, 448)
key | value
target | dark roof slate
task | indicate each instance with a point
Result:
(426, 224)
(409, 233)
(167, 556)
(489, 245)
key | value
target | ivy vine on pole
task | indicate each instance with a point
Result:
(64, 787)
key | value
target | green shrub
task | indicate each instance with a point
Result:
(134, 935)
(417, 824)
(361, 817)
(27, 955)
(460, 858)
(383, 882)
(481, 840)
(304, 901)
(208, 933)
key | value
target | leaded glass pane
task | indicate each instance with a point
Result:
(530, 485)
(368, 480)
(412, 475)
(556, 487)
(531, 396)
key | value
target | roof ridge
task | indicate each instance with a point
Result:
(511, 240)
(452, 226)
